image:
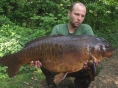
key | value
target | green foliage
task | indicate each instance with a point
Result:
(100, 14)
(22, 80)
(13, 38)
(3, 73)
(4, 20)
(21, 12)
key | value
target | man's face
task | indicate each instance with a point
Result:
(77, 15)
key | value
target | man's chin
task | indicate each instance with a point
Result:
(76, 26)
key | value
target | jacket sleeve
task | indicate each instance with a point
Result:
(54, 31)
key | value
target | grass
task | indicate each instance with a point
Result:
(22, 80)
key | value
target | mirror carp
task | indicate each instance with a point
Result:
(60, 54)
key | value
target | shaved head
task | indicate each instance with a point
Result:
(73, 4)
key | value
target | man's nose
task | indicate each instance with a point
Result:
(79, 17)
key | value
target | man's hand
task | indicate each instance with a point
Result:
(86, 66)
(36, 64)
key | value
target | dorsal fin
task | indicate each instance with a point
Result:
(40, 38)
(35, 40)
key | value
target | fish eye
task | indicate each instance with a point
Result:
(107, 46)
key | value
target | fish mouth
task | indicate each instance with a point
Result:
(112, 53)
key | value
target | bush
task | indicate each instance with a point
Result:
(13, 38)
(4, 20)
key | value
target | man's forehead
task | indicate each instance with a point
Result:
(79, 5)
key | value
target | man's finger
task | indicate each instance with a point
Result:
(86, 65)
(39, 64)
(96, 62)
(31, 63)
(35, 65)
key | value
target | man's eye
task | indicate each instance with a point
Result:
(83, 16)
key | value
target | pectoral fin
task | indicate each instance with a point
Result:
(92, 70)
(59, 77)
(92, 66)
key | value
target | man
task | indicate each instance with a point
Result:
(76, 15)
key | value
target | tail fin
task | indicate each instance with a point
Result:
(6, 60)
(9, 61)
(13, 69)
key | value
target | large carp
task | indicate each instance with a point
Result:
(60, 54)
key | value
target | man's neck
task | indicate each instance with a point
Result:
(71, 29)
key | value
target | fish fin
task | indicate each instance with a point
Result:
(6, 60)
(13, 66)
(92, 67)
(59, 77)
(13, 69)
(92, 70)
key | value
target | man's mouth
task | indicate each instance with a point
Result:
(77, 23)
